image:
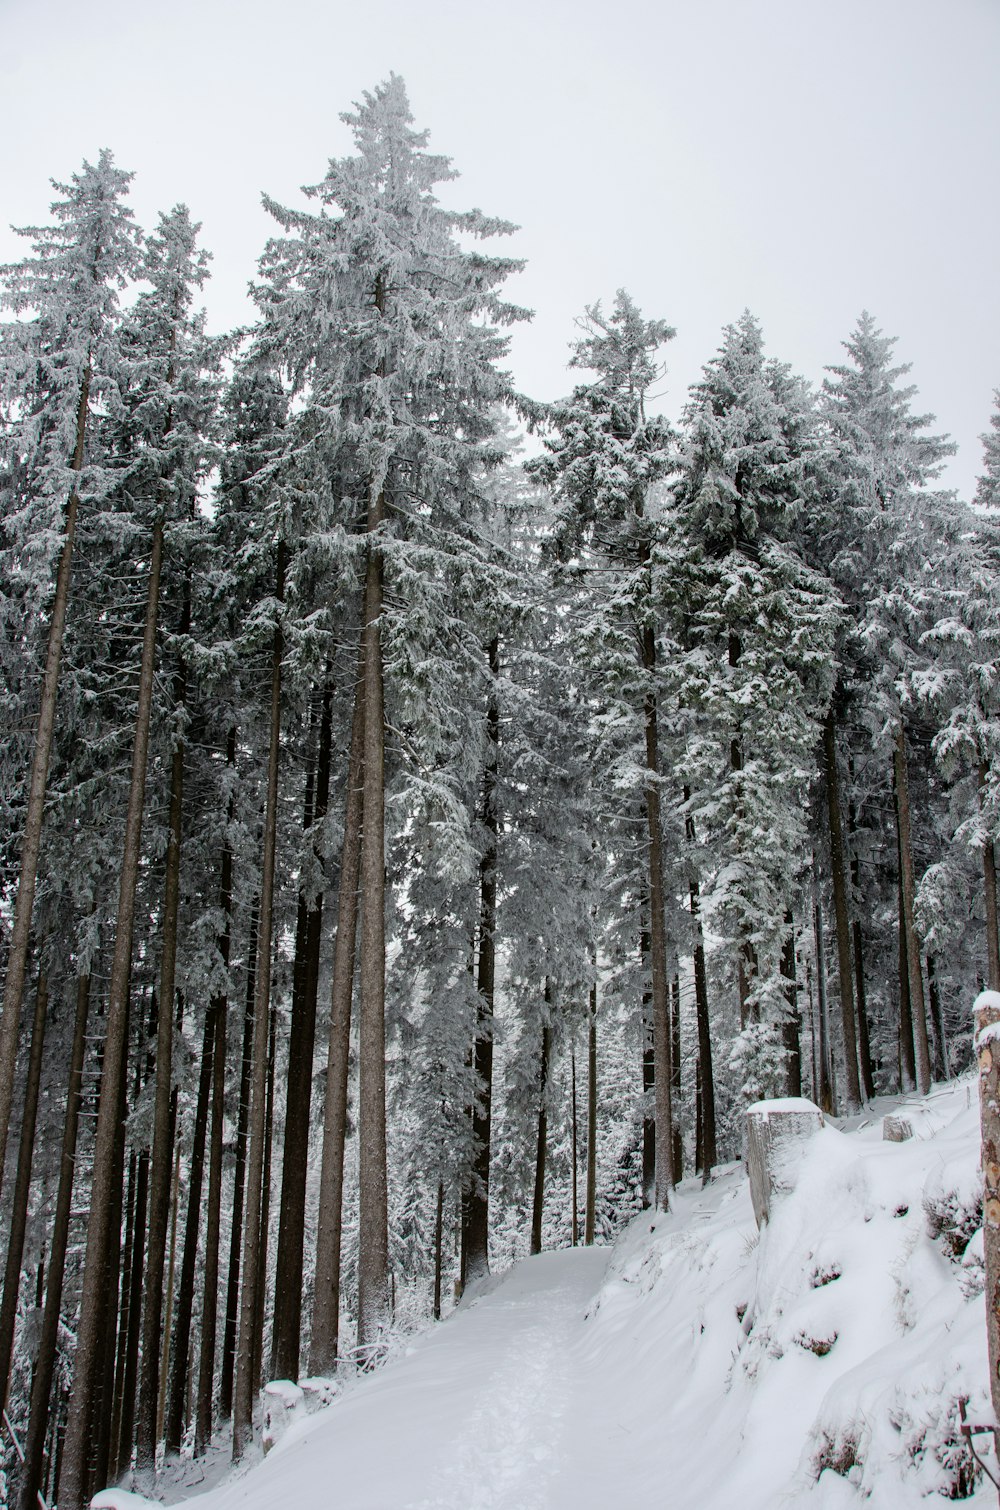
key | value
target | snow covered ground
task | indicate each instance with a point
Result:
(695, 1365)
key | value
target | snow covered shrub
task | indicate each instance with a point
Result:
(953, 1218)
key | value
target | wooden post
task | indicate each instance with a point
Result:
(776, 1130)
(987, 1042)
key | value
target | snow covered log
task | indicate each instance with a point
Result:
(776, 1132)
(896, 1129)
(284, 1403)
(987, 1044)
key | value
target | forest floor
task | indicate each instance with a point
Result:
(694, 1365)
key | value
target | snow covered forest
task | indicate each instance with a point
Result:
(429, 817)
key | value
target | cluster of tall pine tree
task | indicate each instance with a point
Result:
(364, 788)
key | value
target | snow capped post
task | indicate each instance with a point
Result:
(776, 1132)
(987, 1029)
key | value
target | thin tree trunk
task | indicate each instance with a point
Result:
(245, 1375)
(326, 1297)
(175, 1201)
(923, 1058)
(707, 1082)
(907, 1062)
(825, 1078)
(373, 1215)
(20, 938)
(677, 1159)
(657, 938)
(648, 1071)
(937, 1021)
(239, 1177)
(185, 1293)
(265, 1211)
(541, 1141)
(159, 1170)
(839, 876)
(74, 1454)
(990, 898)
(792, 1043)
(22, 1187)
(286, 1344)
(864, 1036)
(220, 1011)
(45, 1355)
(125, 1307)
(438, 1236)
(589, 1217)
(477, 1207)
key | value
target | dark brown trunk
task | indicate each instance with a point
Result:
(709, 1155)
(990, 899)
(438, 1236)
(477, 1205)
(74, 1455)
(937, 1022)
(745, 962)
(648, 1072)
(923, 1058)
(265, 1212)
(239, 1178)
(864, 1036)
(907, 1062)
(20, 938)
(373, 1215)
(842, 920)
(574, 1206)
(589, 1218)
(657, 937)
(301, 1048)
(677, 1146)
(790, 1026)
(326, 1299)
(185, 1293)
(175, 1201)
(825, 1077)
(220, 1011)
(22, 1187)
(541, 1139)
(45, 1355)
(245, 1371)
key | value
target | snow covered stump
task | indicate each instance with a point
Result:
(776, 1132)
(987, 1019)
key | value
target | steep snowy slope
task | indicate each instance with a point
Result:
(695, 1365)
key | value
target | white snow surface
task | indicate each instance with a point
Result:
(695, 1365)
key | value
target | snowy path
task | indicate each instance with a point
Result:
(478, 1415)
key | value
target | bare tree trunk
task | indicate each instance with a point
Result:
(825, 1078)
(657, 938)
(45, 1356)
(20, 938)
(792, 1043)
(122, 1436)
(574, 1205)
(648, 1071)
(907, 1062)
(175, 1201)
(864, 1037)
(74, 1456)
(159, 1169)
(220, 1014)
(373, 1215)
(914, 977)
(477, 1206)
(239, 1177)
(707, 1077)
(839, 876)
(245, 1375)
(265, 1212)
(438, 1236)
(937, 1022)
(301, 1048)
(185, 1294)
(541, 1141)
(990, 898)
(677, 1143)
(22, 1187)
(326, 1298)
(589, 1218)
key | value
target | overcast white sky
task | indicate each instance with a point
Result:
(805, 158)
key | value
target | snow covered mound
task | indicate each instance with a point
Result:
(696, 1365)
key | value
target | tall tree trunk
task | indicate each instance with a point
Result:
(746, 965)
(864, 1036)
(373, 1214)
(326, 1297)
(574, 1202)
(239, 1177)
(657, 936)
(914, 977)
(20, 938)
(707, 1081)
(541, 1140)
(990, 898)
(937, 1021)
(648, 1071)
(438, 1248)
(677, 1143)
(839, 876)
(175, 1201)
(301, 1048)
(45, 1354)
(790, 1034)
(265, 1211)
(477, 1207)
(220, 1015)
(74, 1455)
(907, 1062)
(185, 1294)
(245, 1375)
(823, 1054)
(588, 1225)
(22, 1187)
(159, 1170)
